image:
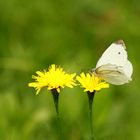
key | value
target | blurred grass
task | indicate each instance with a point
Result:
(73, 34)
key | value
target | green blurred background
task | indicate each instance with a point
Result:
(72, 34)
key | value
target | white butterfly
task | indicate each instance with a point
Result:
(113, 66)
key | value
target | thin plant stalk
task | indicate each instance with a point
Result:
(90, 99)
(55, 95)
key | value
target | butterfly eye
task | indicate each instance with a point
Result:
(119, 52)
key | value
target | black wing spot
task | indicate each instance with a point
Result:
(119, 52)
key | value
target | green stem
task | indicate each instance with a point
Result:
(90, 99)
(55, 95)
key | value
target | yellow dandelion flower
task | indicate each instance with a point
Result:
(91, 82)
(54, 78)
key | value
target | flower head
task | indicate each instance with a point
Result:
(91, 82)
(54, 78)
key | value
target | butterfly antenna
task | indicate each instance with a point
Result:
(92, 71)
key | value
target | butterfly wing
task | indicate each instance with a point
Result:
(115, 54)
(115, 74)
(128, 69)
(113, 65)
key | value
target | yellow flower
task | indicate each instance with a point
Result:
(91, 82)
(54, 78)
